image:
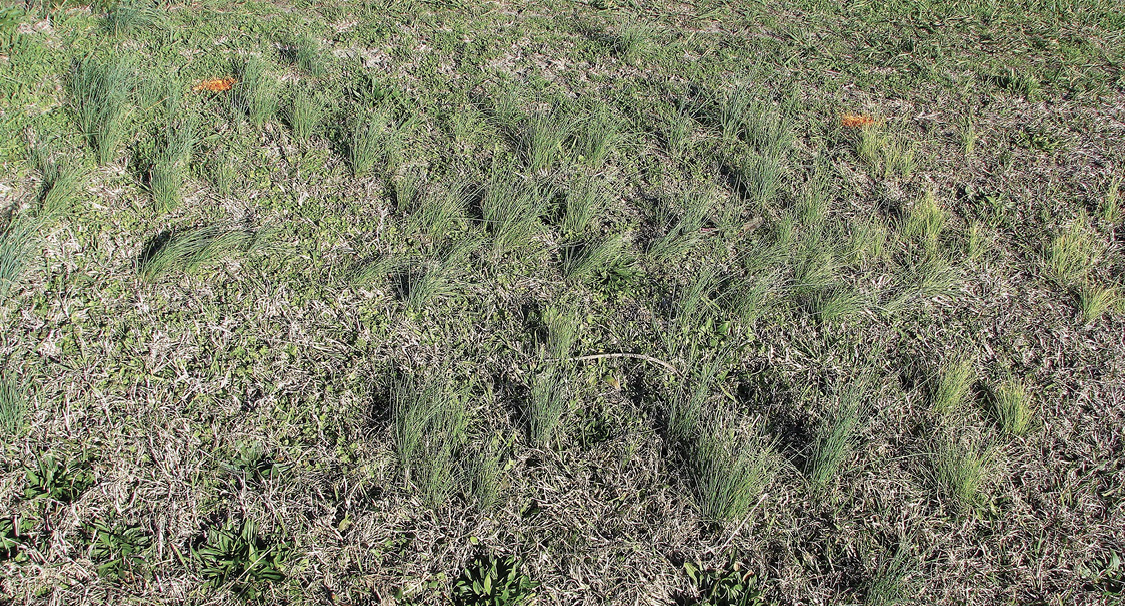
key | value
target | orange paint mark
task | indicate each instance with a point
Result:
(214, 85)
(856, 120)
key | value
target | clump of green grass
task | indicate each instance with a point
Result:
(544, 137)
(256, 91)
(439, 278)
(305, 113)
(598, 135)
(962, 470)
(131, 17)
(836, 302)
(585, 259)
(13, 408)
(511, 208)
(485, 471)
(952, 385)
(547, 403)
(812, 206)
(835, 435)
(99, 97)
(1011, 402)
(1094, 300)
(697, 300)
(562, 331)
(867, 241)
(222, 172)
(682, 222)
(924, 223)
(1109, 209)
(310, 56)
(679, 124)
(428, 421)
(732, 111)
(814, 263)
(169, 171)
(408, 184)
(768, 130)
(374, 136)
(15, 244)
(685, 410)
(634, 39)
(759, 178)
(61, 182)
(1071, 253)
(441, 210)
(585, 201)
(889, 156)
(729, 471)
(889, 583)
(190, 249)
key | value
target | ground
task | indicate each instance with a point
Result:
(373, 302)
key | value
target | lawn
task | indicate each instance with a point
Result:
(567, 302)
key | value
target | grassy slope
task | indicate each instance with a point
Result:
(167, 381)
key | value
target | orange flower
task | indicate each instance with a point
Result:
(214, 85)
(856, 120)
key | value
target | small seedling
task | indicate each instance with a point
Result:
(491, 581)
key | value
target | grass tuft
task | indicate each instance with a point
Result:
(374, 136)
(834, 438)
(730, 471)
(584, 202)
(256, 92)
(1011, 402)
(598, 135)
(962, 471)
(191, 249)
(438, 278)
(681, 222)
(951, 386)
(547, 403)
(129, 17)
(1070, 255)
(13, 408)
(15, 245)
(887, 155)
(1094, 300)
(544, 137)
(924, 223)
(99, 93)
(305, 114)
(61, 182)
(310, 56)
(511, 208)
(428, 422)
(585, 259)
(168, 172)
